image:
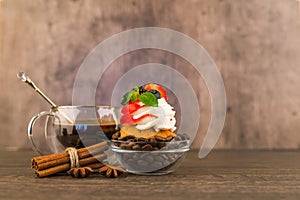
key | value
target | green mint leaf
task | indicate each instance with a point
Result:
(133, 96)
(148, 99)
(135, 93)
(136, 89)
(130, 96)
(126, 97)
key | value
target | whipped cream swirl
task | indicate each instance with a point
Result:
(159, 118)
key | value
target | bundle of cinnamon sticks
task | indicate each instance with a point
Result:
(55, 163)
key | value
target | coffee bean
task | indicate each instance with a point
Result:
(142, 139)
(128, 137)
(171, 146)
(136, 147)
(160, 139)
(147, 147)
(172, 156)
(130, 161)
(160, 145)
(157, 165)
(125, 146)
(116, 143)
(164, 156)
(131, 144)
(142, 163)
(144, 155)
(127, 156)
(149, 159)
(153, 142)
(169, 138)
(182, 144)
(159, 158)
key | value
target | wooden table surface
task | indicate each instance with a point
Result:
(221, 175)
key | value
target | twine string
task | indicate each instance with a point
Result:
(74, 159)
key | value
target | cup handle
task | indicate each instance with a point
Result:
(30, 129)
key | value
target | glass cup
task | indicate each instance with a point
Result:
(75, 126)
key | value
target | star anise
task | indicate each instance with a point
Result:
(111, 171)
(80, 172)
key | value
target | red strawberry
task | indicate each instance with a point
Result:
(127, 119)
(127, 111)
(131, 107)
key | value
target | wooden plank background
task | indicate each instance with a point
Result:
(255, 44)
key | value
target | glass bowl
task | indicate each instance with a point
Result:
(150, 157)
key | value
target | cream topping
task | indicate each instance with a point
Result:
(161, 117)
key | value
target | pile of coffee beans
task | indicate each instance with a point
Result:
(152, 155)
(149, 162)
(130, 142)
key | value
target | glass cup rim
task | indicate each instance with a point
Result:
(83, 106)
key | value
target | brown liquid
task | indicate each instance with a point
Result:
(82, 135)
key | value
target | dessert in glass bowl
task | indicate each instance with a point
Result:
(147, 142)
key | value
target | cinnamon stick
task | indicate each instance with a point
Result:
(52, 163)
(63, 168)
(96, 165)
(60, 162)
(52, 170)
(43, 162)
(91, 159)
(92, 162)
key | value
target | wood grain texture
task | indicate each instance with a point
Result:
(221, 175)
(1, 32)
(255, 44)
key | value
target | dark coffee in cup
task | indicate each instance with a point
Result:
(75, 126)
(82, 134)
